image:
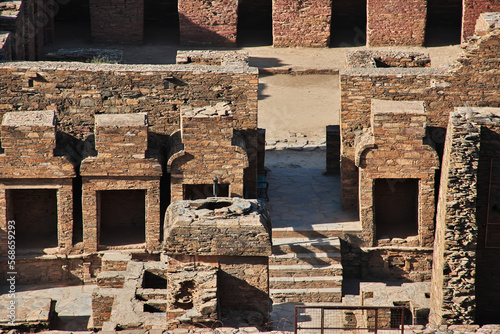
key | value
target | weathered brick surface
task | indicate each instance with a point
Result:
(396, 22)
(204, 22)
(453, 288)
(392, 149)
(301, 23)
(117, 21)
(208, 141)
(102, 305)
(471, 11)
(29, 139)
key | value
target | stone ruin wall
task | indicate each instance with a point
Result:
(203, 22)
(397, 22)
(77, 92)
(472, 10)
(117, 21)
(301, 23)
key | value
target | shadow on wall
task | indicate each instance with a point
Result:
(193, 34)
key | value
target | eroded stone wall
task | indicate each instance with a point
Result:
(117, 21)
(471, 11)
(203, 22)
(301, 23)
(397, 22)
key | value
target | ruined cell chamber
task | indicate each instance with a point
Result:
(214, 267)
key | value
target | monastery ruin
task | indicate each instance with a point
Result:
(148, 182)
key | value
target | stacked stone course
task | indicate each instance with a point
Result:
(301, 23)
(396, 22)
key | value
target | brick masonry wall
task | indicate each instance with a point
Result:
(395, 151)
(208, 22)
(208, 153)
(471, 11)
(117, 21)
(453, 272)
(301, 23)
(409, 264)
(78, 92)
(396, 22)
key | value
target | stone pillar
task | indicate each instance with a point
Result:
(117, 21)
(396, 22)
(208, 22)
(302, 23)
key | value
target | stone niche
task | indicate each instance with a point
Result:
(396, 176)
(36, 190)
(233, 235)
(207, 147)
(121, 187)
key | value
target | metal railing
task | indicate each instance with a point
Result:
(352, 319)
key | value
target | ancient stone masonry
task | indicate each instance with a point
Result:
(210, 149)
(391, 155)
(397, 22)
(233, 235)
(301, 23)
(35, 186)
(374, 59)
(453, 288)
(117, 21)
(472, 10)
(121, 173)
(203, 22)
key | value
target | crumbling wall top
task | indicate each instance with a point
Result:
(45, 118)
(118, 120)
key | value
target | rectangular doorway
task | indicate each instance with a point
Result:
(35, 214)
(396, 208)
(122, 217)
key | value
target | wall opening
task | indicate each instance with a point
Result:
(35, 214)
(396, 208)
(444, 22)
(255, 23)
(202, 191)
(161, 22)
(121, 217)
(348, 27)
(72, 24)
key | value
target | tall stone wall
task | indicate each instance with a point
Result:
(396, 22)
(208, 22)
(301, 23)
(117, 21)
(453, 272)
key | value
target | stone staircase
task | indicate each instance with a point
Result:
(305, 269)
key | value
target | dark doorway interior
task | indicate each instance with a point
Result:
(348, 26)
(255, 23)
(35, 214)
(202, 191)
(444, 22)
(122, 217)
(72, 23)
(161, 22)
(396, 208)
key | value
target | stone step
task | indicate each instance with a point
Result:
(305, 258)
(287, 232)
(312, 295)
(304, 270)
(305, 245)
(305, 282)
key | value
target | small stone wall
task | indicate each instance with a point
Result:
(204, 22)
(301, 23)
(374, 59)
(397, 22)
(117, 21)
(87, 56)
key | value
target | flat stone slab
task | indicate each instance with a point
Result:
(30, 118)
(26, 311)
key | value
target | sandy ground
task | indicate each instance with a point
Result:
(287, 104)
(296, 159)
